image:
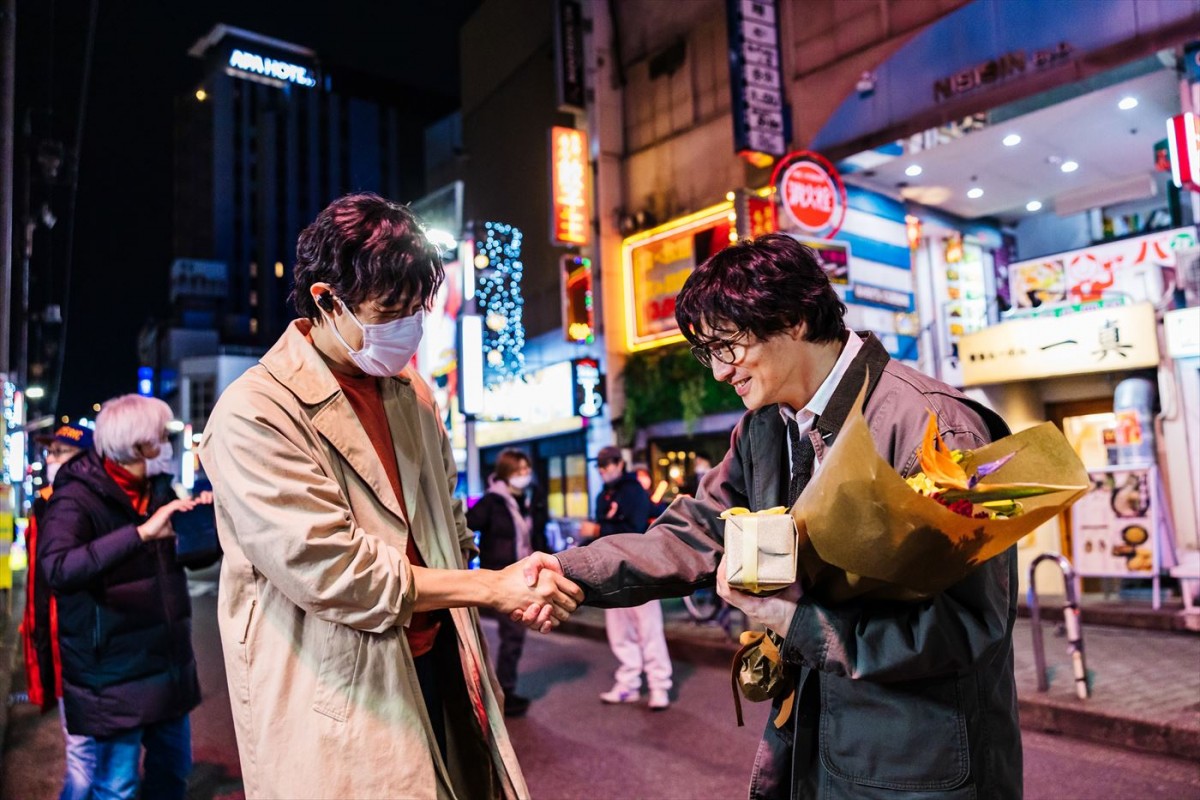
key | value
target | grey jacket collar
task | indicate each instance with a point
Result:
(767, 428)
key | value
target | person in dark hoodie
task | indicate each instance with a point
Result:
(511, 520)
(124, 615)
(634, 634)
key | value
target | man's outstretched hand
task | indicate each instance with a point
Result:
(552, 595)
(536, 569)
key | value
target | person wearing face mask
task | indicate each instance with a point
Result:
(511, 521)
(39, 624)
(348, 619)
(635, 634)
(124, 614)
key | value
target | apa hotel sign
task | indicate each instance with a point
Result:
(273, 71)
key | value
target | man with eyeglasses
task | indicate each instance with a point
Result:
(916, 698)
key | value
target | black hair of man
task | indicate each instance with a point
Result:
(366, 247)
(760, 286)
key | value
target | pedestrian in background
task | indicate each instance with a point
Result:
(511, 520)
(635, 634)
(124, 614)
(657, 504)
(39, 626)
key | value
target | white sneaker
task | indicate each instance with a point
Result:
(659, 700)
(618, 694)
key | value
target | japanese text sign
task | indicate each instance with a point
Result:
(1103, 340)
(570, 225)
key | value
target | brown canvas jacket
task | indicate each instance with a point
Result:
(895, 700)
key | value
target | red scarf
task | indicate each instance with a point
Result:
(133, 486)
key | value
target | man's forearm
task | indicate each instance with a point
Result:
(449, 588)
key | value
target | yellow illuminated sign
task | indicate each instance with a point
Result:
(657, 263)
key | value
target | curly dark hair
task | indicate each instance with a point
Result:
(365, 247)
(762, 286)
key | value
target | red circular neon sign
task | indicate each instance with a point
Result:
(811, 192)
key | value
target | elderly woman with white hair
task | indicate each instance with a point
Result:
(124, 615)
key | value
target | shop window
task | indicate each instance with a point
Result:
(555, 488)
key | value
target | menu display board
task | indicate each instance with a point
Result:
(1120, 528)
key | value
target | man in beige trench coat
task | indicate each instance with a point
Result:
(355, 661)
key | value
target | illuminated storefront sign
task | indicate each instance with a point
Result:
(1184, 144)
(1131, 268)
(570, 224)
(541, 394)
(269, 70)
(658, 262)
(578, 308)
(589, 387)
(1104, 340)
(811, 192)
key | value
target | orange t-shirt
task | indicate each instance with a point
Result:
(367, 402)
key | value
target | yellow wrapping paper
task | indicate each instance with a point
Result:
(864, 531)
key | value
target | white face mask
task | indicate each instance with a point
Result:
(520, 482)
(51, 471)
(162, 464)
(387, 347)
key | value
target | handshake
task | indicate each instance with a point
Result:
(534, 591)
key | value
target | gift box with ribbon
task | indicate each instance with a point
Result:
(760, 549)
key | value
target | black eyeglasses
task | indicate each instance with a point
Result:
(727, 351)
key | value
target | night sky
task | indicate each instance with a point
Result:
(123, 234)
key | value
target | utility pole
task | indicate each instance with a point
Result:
(8, 62)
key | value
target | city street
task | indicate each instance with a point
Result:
(572, 746)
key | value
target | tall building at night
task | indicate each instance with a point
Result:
(268, 137)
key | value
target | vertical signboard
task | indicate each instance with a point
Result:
(756, 80)
(568, 56)
(589, 387)
(570, 220)
(578, 316)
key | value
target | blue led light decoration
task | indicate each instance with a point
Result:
(499, 268)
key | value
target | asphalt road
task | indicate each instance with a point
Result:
(572, 746)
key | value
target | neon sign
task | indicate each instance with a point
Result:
(568, 167)
(274, 70)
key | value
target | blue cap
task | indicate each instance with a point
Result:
(74, 435)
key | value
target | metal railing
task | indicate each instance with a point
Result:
(1070, 618)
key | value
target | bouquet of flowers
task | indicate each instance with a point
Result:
(863, 530)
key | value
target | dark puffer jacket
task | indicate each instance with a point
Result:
(124, 614)
(497, 535)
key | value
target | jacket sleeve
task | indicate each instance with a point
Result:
(896, 641)
(678, 554)
(292, 521)
(479, 514)
(72, 554)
